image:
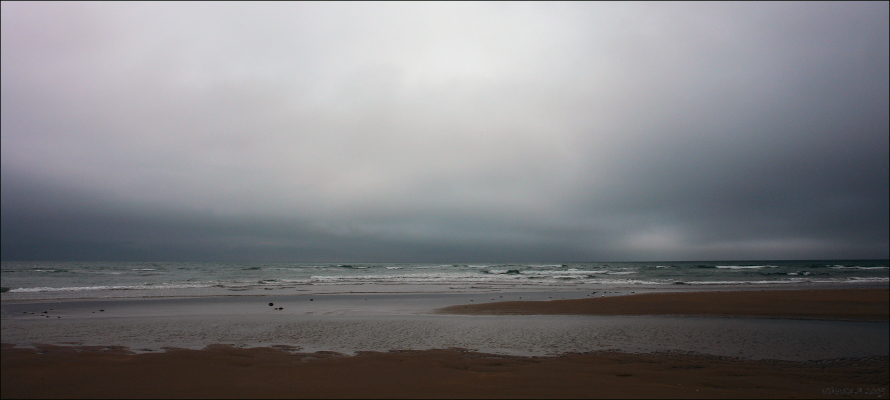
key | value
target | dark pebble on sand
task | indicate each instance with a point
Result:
(310, 299)
(102, 310)
(270, 304)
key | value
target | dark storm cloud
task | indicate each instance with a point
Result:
(63, 224)
(446, 132)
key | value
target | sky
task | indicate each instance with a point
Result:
(444, 131)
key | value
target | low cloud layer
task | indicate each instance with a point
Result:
(444, 132)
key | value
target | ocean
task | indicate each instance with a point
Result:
(29, 280)
(348, 308)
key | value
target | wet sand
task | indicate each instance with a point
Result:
(224, 371)
(847, 304)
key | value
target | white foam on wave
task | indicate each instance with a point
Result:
(874, 279)
(508, 271)
(109, 287)
(418, 278)
(86, 271)
(627, 282)
(745, 266)
(571, 271)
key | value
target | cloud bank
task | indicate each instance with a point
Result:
(444, 132)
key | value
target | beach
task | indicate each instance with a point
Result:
(264, 373)
(391, 345)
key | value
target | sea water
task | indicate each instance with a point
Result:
(29, 280)
(378, 307)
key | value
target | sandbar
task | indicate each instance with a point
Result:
(844, 304)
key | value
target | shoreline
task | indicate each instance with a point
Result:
(424, 290)
(349, 324)
(447, 355)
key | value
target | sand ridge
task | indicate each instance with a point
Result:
(847, 304)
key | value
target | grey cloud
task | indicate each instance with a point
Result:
(437, 131)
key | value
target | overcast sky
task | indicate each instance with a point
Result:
(444, 132)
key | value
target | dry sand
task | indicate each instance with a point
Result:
(222, 371)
